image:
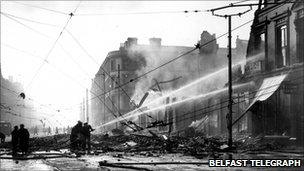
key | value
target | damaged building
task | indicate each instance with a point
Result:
(274, 62)
(128, 67)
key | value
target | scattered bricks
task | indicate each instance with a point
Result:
(198, 146)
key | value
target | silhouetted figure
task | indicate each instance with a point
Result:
(2, 137)
(87, 129)
(24, 138)
(76, 137)
(56, 130)
(15, 140)
(49, 131)
(36, 130)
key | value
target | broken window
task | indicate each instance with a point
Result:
(282, 45)
(262, 43)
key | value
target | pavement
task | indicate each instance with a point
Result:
(142, 153)
(91, 162)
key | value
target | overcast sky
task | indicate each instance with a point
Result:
(100, 27)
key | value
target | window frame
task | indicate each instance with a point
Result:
(279, 56)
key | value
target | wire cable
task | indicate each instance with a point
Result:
(42, 8)
(143, 13)
(53, 46)
(34, 30)
(29, 20)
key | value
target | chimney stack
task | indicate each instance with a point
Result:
(155, 42)
(131, 41)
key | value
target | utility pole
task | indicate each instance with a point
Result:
(118, 91)
(230, 101)
(87, 105)
(104, 98)
(229, 117)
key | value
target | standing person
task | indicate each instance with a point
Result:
(24, 138)
(36, 130)
(15, 139)
(87, 129)
(76, 136)
(56, 130)
(49, 131)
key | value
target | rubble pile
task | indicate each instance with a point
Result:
(195, 146)
(201, 146)
(55, 142)
(262, 143)
(198, 146)
(126, 143)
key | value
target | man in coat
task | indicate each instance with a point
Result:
(87, 129)
(15, 140)
(24, 138)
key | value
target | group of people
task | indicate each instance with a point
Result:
(20, 140)
(80, 137)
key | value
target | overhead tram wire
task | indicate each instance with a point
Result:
(143, 13)
(29, 20)
(152, 12)
(34, 30)
(42, 8)
(53, 46)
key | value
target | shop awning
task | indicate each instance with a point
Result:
(268, 87)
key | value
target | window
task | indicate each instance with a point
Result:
(261, 44)
(282, 46)
(263, 3)
(113, 65)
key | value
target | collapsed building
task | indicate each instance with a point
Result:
(130, 67)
